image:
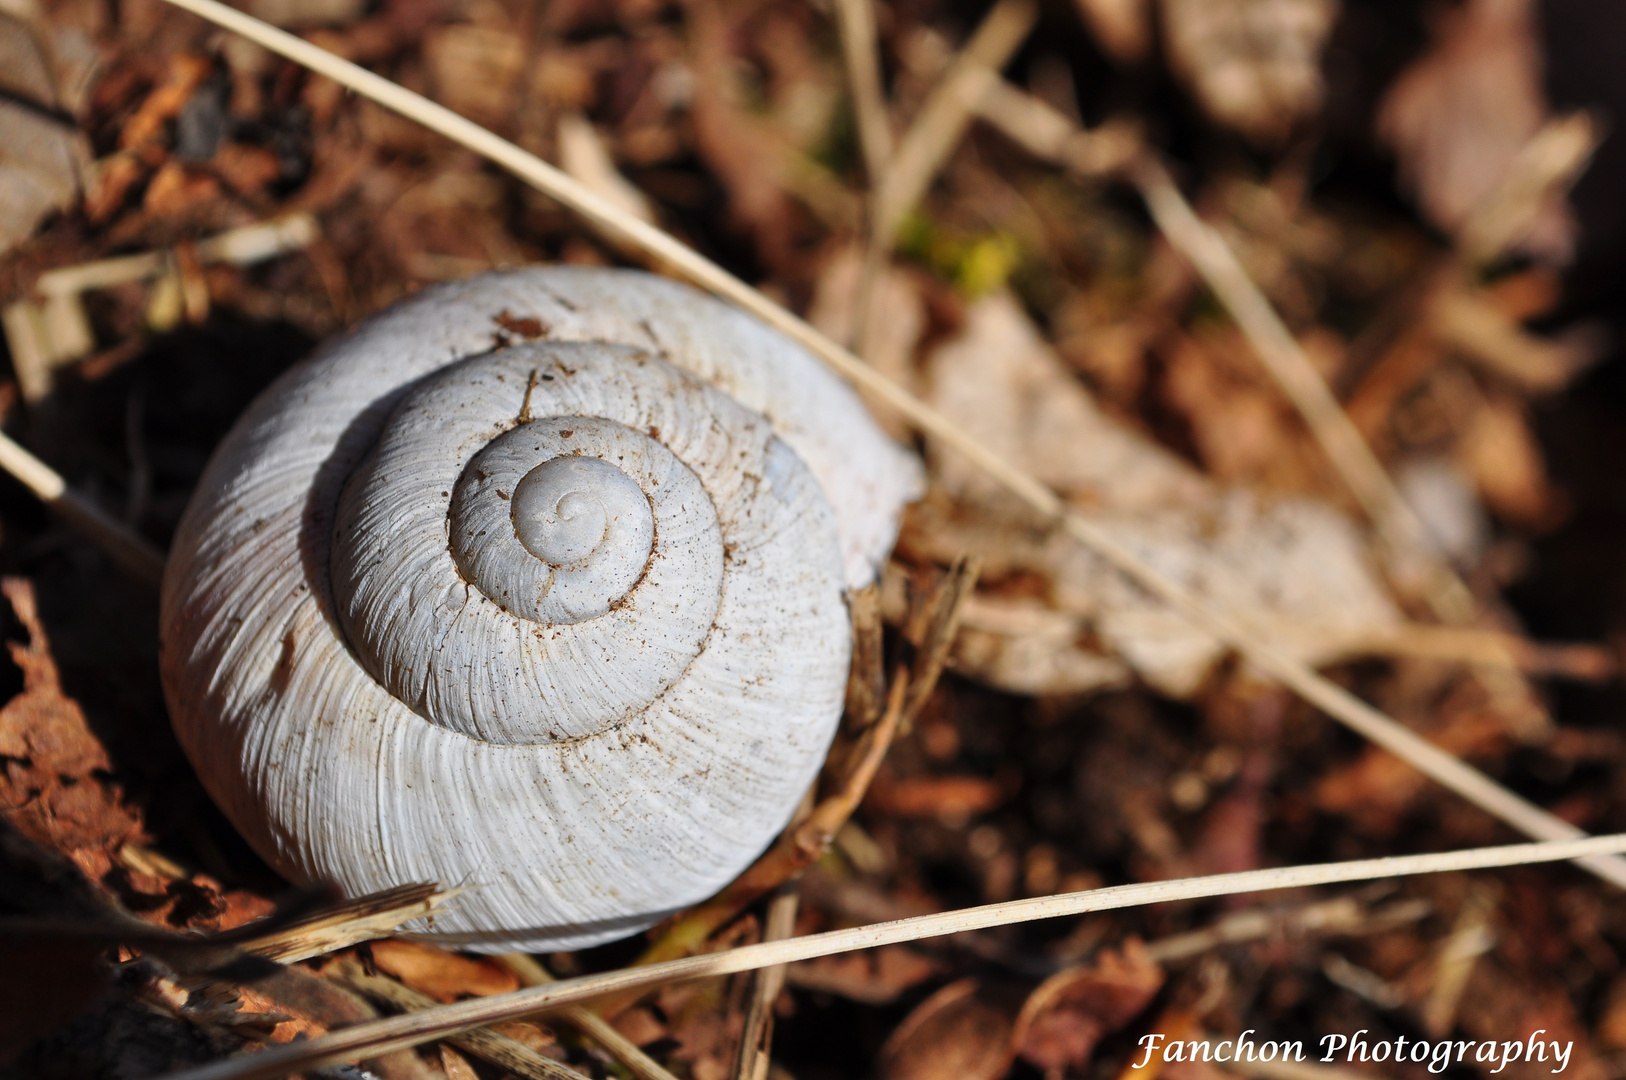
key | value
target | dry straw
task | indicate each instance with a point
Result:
(410, 1029)
(1471, 784)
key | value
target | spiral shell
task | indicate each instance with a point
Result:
(559, 619)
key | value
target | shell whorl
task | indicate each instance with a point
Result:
(560, 620)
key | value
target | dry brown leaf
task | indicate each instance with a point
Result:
(1292, 560)
(42, 156)
(640, 1026)
(1020, 644)
(442, 975)
(1066, 1015)
(1254, 65)
(456, 1066)
(1458, 117)
(55, 787)
(1000, 381)
(952, 1035)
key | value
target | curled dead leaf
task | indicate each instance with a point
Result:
(952, 1035)
(1067, 1015)
(1296, 564)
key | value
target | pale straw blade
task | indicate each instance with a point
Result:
(118, 540)
(399, 1032)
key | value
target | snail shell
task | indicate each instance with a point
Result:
(558, 619)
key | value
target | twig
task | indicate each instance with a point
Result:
(1291, 369)
(399, 1032)
(949, 109)
(855, 22)
(752, 1061)
(1547, 165)
(1469, 939)
(589, 1023)
(1335, 701)
(1341, 915)
(121, 543)
(936, 129)
(501, 1050)
(946, 615)
(365, 918)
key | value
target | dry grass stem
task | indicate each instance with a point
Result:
(500, 1050)
(1050, 135)
(752, 1061)
(942, 120)
(932, 136)
(855, 22)
(1292, 370)
(589, 1023)
(365, 918)
(120, 543)
(411, 1029)
(1344, 706)
(1550, 162)
(866, 693)
(1580, 661)
(1342, 915)
(1469, 939)
(946, 613)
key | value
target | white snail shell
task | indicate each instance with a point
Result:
(561, 620)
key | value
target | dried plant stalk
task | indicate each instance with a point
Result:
(589, 1023)
(1337, 702)
(365, 918)
(411, 1029)
(119, 541)
(502, 1051)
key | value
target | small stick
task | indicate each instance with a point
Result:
(939, 637)
(1332, 699)
(937, 128)
(948, 111)
(855, 22)
(1291, 369)
(1341, 915)
(116, 539)
(411, 1029)
(500, 1050)
(752, 1061)
(366, 918)
(588, 1022)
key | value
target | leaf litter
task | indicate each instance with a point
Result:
(1084, 735)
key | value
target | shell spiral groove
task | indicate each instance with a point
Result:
(560, 620)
